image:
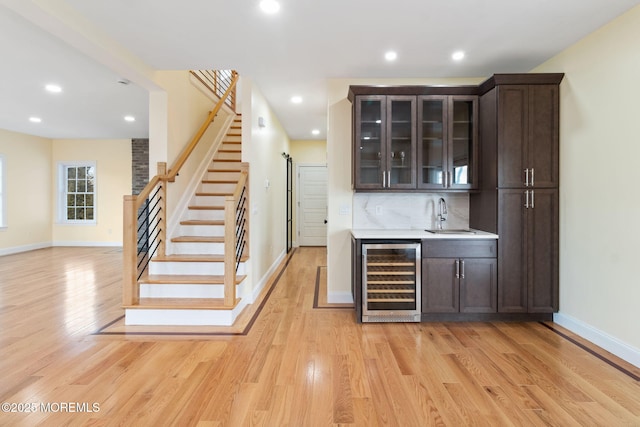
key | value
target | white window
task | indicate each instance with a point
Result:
(3, 194)
(77, 193)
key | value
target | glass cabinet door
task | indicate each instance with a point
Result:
(369, 151)
(401, 112)
(432, 138)
(462, 142)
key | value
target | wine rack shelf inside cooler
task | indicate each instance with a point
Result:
(391, 279)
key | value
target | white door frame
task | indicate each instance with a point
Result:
(297, 202)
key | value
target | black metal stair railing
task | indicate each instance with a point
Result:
(149, 229)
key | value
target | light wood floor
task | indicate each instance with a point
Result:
(290, 364)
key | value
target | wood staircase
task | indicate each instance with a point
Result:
(186, 285)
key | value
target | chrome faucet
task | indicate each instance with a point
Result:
(442, 213)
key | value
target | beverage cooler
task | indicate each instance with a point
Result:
(391, 282)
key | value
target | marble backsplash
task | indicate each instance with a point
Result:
(408, 210)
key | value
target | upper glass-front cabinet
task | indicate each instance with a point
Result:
(447, 142)
(384, 155)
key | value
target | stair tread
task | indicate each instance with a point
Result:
(179, 279)
(202, 222)
(213, 193)
(219, 181)
(199, 239)
(193, 258)
(208, 207)
(183, 304)
(224, 170)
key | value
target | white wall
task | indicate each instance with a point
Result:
(340, 201)
(599, 177)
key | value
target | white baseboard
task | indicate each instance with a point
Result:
(599, 338)
(265, 278)
(339, 297)
(88, 244)
(25, 248)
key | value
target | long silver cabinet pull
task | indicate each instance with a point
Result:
(389, 179)
(532, 176)
(445, 179)
(533, 202)
(457, 269)
(526, 177)
(384, 179)
(526, 199)
(462, 269)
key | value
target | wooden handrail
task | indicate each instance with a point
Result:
(186, 152)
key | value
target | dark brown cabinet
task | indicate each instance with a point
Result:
(518, 197)
(447, 142)
(528, 250)
(414, 138)
(465, 283)
(384, 142)
(528, 136)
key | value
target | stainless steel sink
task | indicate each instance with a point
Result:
(452, 231)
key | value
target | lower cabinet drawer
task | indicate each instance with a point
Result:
(459, 248)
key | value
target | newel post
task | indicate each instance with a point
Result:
(229, 251)
(130, 294)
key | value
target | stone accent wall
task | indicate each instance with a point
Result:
(139, 164)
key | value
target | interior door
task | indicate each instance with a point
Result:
(312, 205)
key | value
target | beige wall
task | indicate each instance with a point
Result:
(28, 190)
(113, 181)
(339, 186)
(263, 148)
(599, 176)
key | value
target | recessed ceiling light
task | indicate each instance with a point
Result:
(458, 55)
(296, 99)
(315, 132)
(129, 118)
(35, 119)
(391, 56)
(270, 6)
(53, 88)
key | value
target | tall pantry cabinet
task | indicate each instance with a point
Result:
(518, 197)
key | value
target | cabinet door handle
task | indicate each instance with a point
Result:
(526, 177)
(445, 179)
(532, 176)
(384, 179)
(457, 269)
(526, 199)
(462, 269)
(533, 202)
(450, 179)
(389, 179)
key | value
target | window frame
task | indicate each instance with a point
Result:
(62, 192)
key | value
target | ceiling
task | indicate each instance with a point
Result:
(293, 52)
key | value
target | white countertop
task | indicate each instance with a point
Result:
(417, 234)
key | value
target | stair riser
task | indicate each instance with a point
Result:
(223, 176)
(197, 248)
(208, 201)
(232, 138)
(205, 214)
(201, 230)
(185, 291)
(181, 317)
(228, 156)
(224, 166)
(217, 187)
(196, 268)
(231, 145)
